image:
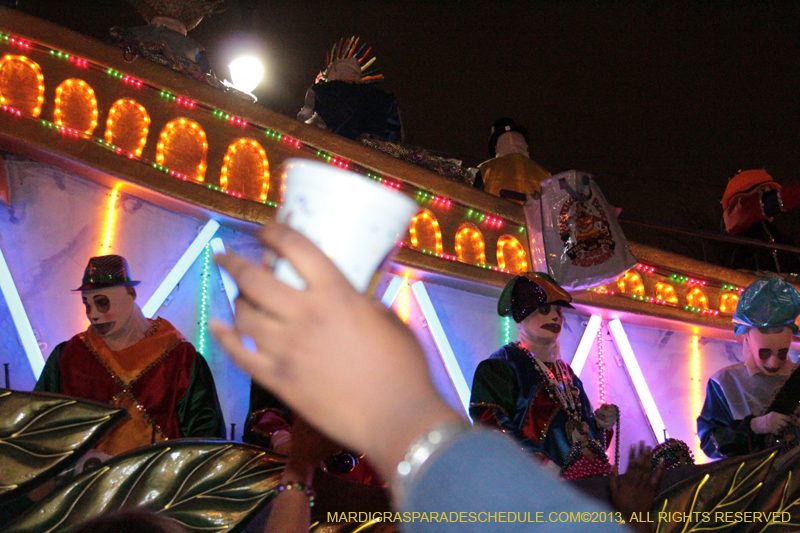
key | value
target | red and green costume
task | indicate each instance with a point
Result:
(163, 383)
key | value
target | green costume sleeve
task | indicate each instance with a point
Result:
(50, 380)
(494, 394)
(199, 410)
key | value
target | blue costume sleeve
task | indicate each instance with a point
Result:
(720, 434)
(482, 483)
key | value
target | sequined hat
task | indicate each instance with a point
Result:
(106, 271)
(524, 294)
(767, 303)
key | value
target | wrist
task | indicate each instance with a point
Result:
(390, 447)
(421, 453)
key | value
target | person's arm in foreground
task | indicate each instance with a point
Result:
(380, 405)
(291, 510)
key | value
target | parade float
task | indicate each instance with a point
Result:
(105, 155)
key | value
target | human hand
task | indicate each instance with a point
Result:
(283, 447)
(342, 361)
(308, 448)
(606, 415)
(636, 489)
(772, 422)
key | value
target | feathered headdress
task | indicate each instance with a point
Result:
(188, 12)
(350, 56)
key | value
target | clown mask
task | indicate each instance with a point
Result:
(543, 324)
(768, 347)
(109, 309)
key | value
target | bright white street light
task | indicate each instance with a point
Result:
(246, 73)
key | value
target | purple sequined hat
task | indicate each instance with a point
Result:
(106, 271)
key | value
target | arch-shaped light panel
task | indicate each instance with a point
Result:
(511, 255)
(728, 302)
(631, 283)
(245, 170)
(666, 292)
(425, 233)
(76, 106)
(470, 247)
(697, 298)
(127, 125)
(21, 84)
(183, 147)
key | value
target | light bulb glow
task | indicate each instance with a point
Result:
(76, 106)
(469, 244)
(246, 73)
(511, 247)
(108, 235)
(202, 330)
(180, 150)
(697, 387)
(666, 292)
(17, 86)
(426, 222)
(601, 368)
(696, 298)
(246, 163)
(728, 302)
(631, 283)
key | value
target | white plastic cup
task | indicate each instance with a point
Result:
(354, 220)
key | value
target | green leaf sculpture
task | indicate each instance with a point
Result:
(206, 486)
(42, 434)
(730, 486)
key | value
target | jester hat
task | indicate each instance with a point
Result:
(524, 294)
(767, 303)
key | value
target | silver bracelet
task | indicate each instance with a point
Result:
(419, 451)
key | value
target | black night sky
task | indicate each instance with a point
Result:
(661, 101)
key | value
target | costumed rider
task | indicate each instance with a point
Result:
(128, 361)
(511, 167)
(168, 23)
(751, 406)
(527, 391)
(751, 200)
(345, 100)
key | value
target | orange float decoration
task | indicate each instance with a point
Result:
(127, 125)
(697, 298)
(21, 84)
(511, 255)
(245, 170)
(631, 283)
(425, 233)
(666, 293)
(182, 148)
(470, 247)
(76, 106)
(728, 302)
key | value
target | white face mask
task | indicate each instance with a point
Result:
(511, 143)
(108, 309)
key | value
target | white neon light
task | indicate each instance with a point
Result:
(20, 318)
(180, 268)
(582, 353)
(439, 337)
(392, 291)
(642, 390)
(231, 290)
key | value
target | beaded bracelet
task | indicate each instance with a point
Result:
(300, 487)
